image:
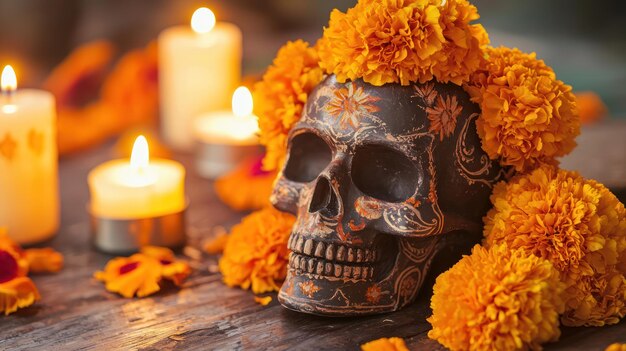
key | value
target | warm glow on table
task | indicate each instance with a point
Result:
(137, 188)
(199, 66)
(29, 190)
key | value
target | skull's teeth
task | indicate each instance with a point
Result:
(299, 244)
(320, 266)
(319, 250)
(330, 252)
(308, 247)
(359, 255)
(338, 270)
(341, 253)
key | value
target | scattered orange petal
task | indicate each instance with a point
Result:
(141, 274)
(263, 301)
(385, 344)
(45, 260)
(17, 293)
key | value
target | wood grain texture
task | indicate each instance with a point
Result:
(76, 313)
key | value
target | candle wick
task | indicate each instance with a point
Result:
(8, 94)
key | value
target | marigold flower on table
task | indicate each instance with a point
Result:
(77, 80)
(528, 117)
(248, 187)
(141, 274)
(280, 97)
(16, 289)
(256, 254)
(497, 299)
(385, 344)
(576, 224)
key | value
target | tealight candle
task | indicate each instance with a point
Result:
(225, 138)
(29, 187)
(143, 200)
(198, 68)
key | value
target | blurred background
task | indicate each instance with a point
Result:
(584, 40)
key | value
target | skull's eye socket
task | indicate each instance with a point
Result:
(308, 157)
(384, 174)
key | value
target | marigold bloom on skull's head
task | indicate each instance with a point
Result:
(528, 117)
(403, 41)
(256, 254)
(280, 97)
(576, 224)
(497, 299)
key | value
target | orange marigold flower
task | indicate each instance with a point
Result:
(175, 270)
(462, 53)
(404, 41)
(16, 290)
(385, 344)
(131, 89)
(616, 347)
(497, 299)
(528, 116)
(281, 94)
(591, 107)
(77, 80)
(383, 42)
(576, 224)
(256, 253)
(17, 293)
(45, 260)
(248, 187)
(142, 273)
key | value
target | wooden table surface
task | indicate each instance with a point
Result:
(76, 313)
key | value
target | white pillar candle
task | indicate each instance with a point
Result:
(225, 138)
(198, 68)
(29, 186)
(137, 188)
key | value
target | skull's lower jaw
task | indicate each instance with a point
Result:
(355, 284)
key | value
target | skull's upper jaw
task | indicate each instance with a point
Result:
(333, 279)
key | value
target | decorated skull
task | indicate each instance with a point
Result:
(381, 180)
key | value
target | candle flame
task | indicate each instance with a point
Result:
(242, 102)
(140, 157)
(8, 82)
(202, 20)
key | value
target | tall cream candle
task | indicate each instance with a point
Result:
(29, 188)
(199, 66)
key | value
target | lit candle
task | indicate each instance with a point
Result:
(199, 65)
(225, 138)
(29, 188)
(141, 188)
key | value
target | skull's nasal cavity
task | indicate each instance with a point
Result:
(324, 198)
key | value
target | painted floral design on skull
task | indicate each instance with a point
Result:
(381, 180)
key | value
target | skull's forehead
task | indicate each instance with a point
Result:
(355, 113)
